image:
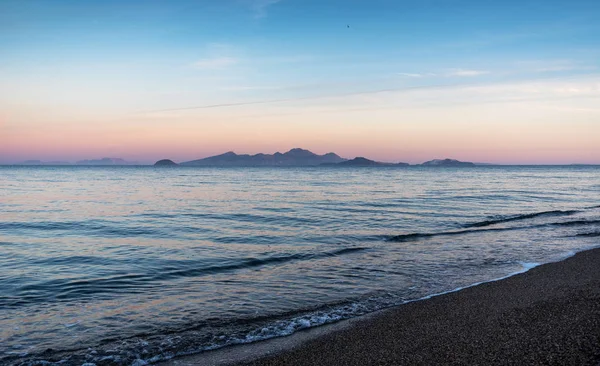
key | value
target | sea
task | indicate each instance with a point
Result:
(135, 265)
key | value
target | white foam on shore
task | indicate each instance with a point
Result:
(280, 329)
(227, 356)
(526, 266)
(286, 328)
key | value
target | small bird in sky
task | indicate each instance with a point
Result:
(348, 26)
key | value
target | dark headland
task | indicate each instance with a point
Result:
(549, 315)
(447, 163)
(360, 161)
(165, 162)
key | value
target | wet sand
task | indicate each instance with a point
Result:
(549, 315)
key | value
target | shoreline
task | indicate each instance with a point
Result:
(552, 317)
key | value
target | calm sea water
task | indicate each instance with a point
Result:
(110, 265)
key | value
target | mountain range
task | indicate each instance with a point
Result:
(294, 157)
(301, 157)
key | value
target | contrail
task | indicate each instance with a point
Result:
(223, 105)
(377, 91)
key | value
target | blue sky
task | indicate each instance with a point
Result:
(78, 60)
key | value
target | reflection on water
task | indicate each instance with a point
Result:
(113, 264)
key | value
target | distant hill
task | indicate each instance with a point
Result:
(302, 157)
(105, 161)
(294, 157)
(165, 162)
(363, 162)
(447, 163)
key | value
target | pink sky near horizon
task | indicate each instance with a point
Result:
(474, 134)
(549, 122)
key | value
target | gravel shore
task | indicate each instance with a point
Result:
(549, 315)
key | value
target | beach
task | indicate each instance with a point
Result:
(548, 315)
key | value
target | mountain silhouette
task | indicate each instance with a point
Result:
(294, 157)
(360, 161)
(299, 157)
(447, 163)
(165, 162)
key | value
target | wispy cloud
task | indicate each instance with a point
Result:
(217, 56)
(241, 88)
(447, 73)
(222, 56)
(260, 7)
(415, 75)
(215, 63)
(555, 68)
(581, 88)
(542, 66)
(283, 59)
(466, 73)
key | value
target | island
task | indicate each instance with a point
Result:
(165, 162)
(298, 157)
(364, 162)
(294, 157)
(447, 163)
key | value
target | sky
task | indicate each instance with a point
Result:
(512, 82)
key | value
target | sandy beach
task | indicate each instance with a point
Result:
(548, 315)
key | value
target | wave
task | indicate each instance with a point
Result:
(167, 230)
(237, 217)
(188, 340)
(590, 235)
(68, 289)
(91, 228)
(520, 217)
(575, 223)
(416, 236)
